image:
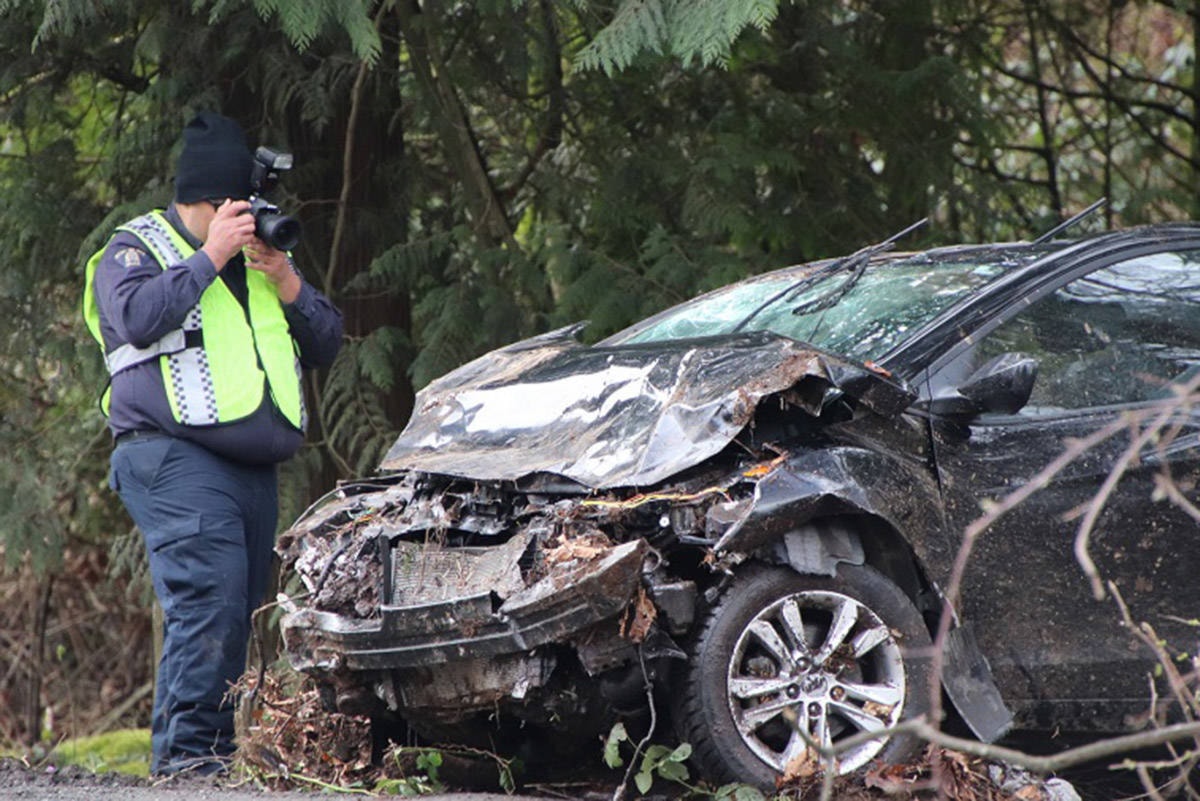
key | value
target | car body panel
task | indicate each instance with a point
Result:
(1036, 616)
(620, 416)
(556, 510)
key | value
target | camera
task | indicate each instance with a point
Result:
(271, 225)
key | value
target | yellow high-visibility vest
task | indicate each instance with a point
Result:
(214, 365)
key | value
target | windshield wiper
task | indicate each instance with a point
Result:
(856, 261)
(1058, 229)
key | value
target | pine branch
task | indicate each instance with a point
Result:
(700, 30)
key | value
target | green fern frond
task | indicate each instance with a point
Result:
(639, 25)
(352, 411)
(64, 18)
(706, 29)
(404, 264)
(302, 21)
(354, 19)
(380, 352)
(700, 30)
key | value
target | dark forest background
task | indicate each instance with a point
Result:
(471, 173)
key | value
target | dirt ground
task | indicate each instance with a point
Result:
(19, 782)
(962, 780)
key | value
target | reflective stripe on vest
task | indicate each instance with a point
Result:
(248, 344)
(187, 374)
(128, 356)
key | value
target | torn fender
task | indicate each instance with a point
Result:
(834, 482)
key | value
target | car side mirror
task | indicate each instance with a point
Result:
(1001, 385)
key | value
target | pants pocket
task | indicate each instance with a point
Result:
(171, 533)
(193, 570)
(136, 464)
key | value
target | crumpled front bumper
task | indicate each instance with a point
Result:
(458, 604)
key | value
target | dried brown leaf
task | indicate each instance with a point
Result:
(800, 767)
(877, 710)
(639, 617)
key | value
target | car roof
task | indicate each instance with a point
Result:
(1061, 259)
(1034, 264)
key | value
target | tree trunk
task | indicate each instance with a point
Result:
(37, 648)
(454, 127)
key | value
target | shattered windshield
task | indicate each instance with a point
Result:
(860, 319)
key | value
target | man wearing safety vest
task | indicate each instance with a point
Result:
(205, 330)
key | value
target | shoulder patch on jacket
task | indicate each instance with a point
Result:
(129, 256)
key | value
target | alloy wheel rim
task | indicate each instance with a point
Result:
(818, 660)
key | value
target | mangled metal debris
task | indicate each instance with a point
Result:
(445, 592)
(608, 417)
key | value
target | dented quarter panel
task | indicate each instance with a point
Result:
(879, 469)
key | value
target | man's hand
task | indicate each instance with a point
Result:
(275, 265)
(230, 230)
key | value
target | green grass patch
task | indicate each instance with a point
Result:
(124, 750)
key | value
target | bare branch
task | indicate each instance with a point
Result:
(1125, 102)
(343, 203)
(1071, 37)
(1044, 765)
(1145, 633)
(1100, 499)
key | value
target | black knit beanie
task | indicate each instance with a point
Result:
(215, 162)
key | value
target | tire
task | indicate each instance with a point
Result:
(745, 657)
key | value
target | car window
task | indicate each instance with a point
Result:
(1119, 335)
(869, 316)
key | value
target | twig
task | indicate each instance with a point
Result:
(1065, 759)
(619, 793)
(332, 788)
(1165, 483)
(1045, 765)
(1145, 632)
(1100, 499)
(827, 780)
(130, 702)
(1148, 784)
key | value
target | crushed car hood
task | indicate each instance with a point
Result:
(628, 415)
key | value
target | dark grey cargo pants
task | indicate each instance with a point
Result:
(209, 527)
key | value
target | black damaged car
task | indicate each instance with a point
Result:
(747, 509)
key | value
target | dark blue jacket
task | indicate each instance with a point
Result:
(139, 302)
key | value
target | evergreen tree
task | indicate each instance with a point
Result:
(470, 173)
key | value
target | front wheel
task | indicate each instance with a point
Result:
(780, 651)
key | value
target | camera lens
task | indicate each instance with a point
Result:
(273, 226)
(277, 230)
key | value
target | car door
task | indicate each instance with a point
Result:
(1110, 345)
